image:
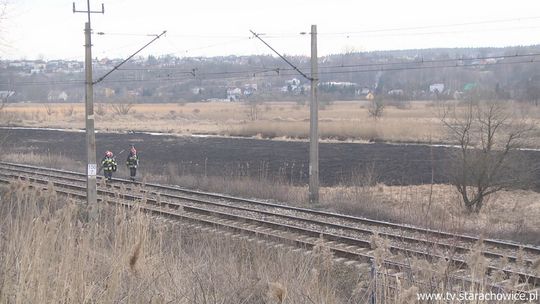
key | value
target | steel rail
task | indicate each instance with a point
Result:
(353, 244)
(439, 234)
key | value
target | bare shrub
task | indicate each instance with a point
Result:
(485, 161)
(122, 108)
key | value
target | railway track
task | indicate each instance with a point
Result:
(351, 239)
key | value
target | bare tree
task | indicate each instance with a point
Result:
(486, 160)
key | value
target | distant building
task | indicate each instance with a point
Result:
(293, 82)
(339, 84)
(395, 92)
(363, 91)
(234, 94)
(436, 88)
(197, 90)
(57, 96)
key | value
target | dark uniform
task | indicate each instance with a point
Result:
(132, 163)
(108, 163)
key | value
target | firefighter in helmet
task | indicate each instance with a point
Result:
(132, 162)
(108, 163)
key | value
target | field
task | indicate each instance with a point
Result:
(416, 122)
(256, 168)
(129, 257)
(412, 122)
(396, 188)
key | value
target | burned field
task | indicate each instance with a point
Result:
(340, 163)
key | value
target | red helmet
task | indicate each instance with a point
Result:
(108, 154)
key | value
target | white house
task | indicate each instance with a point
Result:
(436, 88)
(233, 94)
(395, 92)
(57, 96)
(293, 82)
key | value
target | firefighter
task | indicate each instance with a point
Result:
(132, 162)
(108, 163)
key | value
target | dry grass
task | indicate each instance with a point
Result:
(340, 120)
(513, 215)
(57, 161)
(49, 253)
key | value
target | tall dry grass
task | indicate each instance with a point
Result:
(402, 283)
(51, 253)
(49, 160)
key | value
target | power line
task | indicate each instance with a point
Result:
(436, 26)
(276, 35)
(281, 56)
(260, 73)
(172, 35)
(183, 51)
(131, 56)
(124, 34)
(402, 29)
(204, 76)
(279, 70)
(467, 31)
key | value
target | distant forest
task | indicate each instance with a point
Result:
(424, 74)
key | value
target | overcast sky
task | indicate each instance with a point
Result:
(48, 29)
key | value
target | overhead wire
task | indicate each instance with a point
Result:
(281, 71)
(434, 26)
(403, 29)
(392, 29)
(384, 64)
(249, 75)
(237, 76)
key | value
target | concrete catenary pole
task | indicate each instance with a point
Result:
(91, 168)
(313, 123)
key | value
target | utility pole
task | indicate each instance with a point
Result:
(313, 123)
(313, 117)
(91, 168)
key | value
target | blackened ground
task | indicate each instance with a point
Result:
(339, 162)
